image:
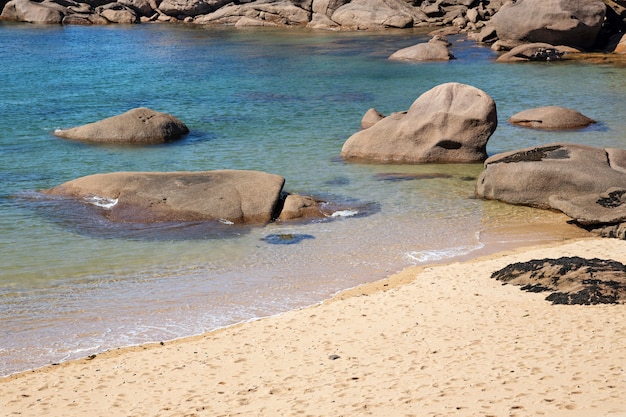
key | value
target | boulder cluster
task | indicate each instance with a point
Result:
(586, 25)
(326, 14)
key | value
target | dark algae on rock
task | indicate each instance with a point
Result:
(570, 280)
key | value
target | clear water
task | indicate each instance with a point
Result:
(279, 101)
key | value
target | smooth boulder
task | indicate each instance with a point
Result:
(575, 23)
(136, 126)
(239, 197)
(451, 122)
(434, 50)
(376, 14)
(540, 175)
(44, 12)
(551, 117)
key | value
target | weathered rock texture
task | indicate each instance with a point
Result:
(136, 126)
(449, 123)
(571, 280)
(574, 23)
(587, 184)
(240, 197)
(551, 117)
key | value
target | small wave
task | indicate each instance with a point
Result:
(420, 257)
(107, 203)
(345, 213)
(224, 221)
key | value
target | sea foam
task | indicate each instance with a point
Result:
(106, 203)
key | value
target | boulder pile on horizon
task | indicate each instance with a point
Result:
(589, 25)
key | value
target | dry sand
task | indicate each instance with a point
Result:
(437, 341)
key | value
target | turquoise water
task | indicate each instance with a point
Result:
(281, 101)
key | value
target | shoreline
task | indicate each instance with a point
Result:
(430, 338)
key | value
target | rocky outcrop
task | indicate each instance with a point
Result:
(259, 13)
(551, 117)
(535, 52)
(535, 176)
(585, 183)
(449, 123)
(208, 200)
(570, 280)
(136, 126)
(377, 14)
(240, 197)
(575, 23)
(68, 12)
(434, 50)
(324, 14)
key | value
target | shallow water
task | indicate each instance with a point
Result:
(281, 101)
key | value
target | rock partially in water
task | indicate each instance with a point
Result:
(570, 280)
(136, 126)
(551, 117)
(434, 50)
(451, 122)
(236, 196)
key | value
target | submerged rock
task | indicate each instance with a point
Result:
(570, 280)
(286, 238)
(136, 126)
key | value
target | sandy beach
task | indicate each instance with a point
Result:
(435, 341)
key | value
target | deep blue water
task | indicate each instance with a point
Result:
(281, 101)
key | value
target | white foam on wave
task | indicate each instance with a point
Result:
(420, 257)
(345, 213)
(107, 203)
(224, 221)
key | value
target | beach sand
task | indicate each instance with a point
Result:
(435, 341)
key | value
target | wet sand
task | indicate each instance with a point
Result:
(430, 341)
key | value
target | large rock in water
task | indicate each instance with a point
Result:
(240, 197)
(551, 117)
(573, 23)
(449, 123)
(434, 50)
(541, 175)
(136, 126)
(585, 183)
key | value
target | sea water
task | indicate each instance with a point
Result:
(281, 101)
